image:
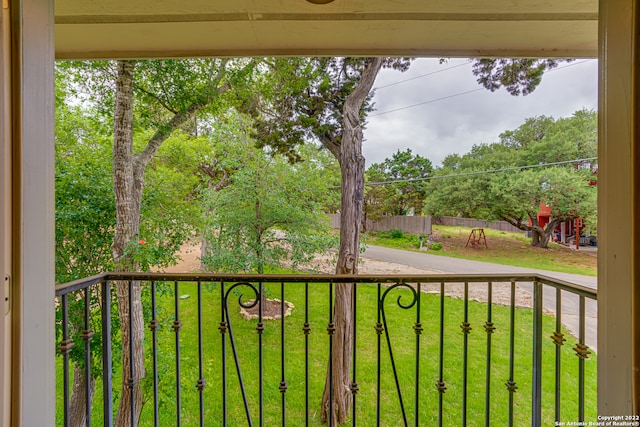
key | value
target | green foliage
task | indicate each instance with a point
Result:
(85, 208)
(395, 233)
(515, 196)
(269, 214)
(519, 76)
(435, 246)
(302, 99)
(397, 198)
(170, 213)
(162, 87)
(85, 205)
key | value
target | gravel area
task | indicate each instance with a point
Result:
(501, 292)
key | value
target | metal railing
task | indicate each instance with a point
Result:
(411, 363)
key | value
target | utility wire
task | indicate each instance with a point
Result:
(456, 94)
(422, 75)
(426, 102)
(515, 168)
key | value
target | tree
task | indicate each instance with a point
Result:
(471, 189)
(327, 99)
(170, 95)
(188, 89)
(516, 198)
(268, 215)
(519, 76)
(84, 221)
(352, 169)
(86, 218)
(402, 197)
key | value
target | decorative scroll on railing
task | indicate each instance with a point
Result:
(254, 350)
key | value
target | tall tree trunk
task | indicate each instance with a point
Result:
(128, 193)
(541, 236)
(352, 168)
(128, 177)
(77, 408)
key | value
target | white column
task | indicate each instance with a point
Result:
(618, 220)
(32, 109)
(5, 219)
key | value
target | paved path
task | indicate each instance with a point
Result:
(570, 303)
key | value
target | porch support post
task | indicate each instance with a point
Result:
(635, 188)
(5, 218)
(619, 211)
(32, 212)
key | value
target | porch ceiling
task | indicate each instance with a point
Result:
(157, 28)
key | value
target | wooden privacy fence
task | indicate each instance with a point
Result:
(475, 223)
(422, 224)
(408, 224)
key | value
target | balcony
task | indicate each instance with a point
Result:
(421, 356)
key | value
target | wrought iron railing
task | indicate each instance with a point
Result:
(421, 360)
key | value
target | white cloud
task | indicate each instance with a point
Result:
(439, 127)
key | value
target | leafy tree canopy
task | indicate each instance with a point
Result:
(472, 190)
(268, 215)
(397, 198)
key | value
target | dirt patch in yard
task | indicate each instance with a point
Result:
(189, 262)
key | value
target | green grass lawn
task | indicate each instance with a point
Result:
(503, 247)
(403, 341)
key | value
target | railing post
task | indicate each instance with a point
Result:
(153, 326)
(354, 382)
(177, 325)
(536, 383)
(65, 348)
(223, 348)
(107, 364)
(306, 329)
(87, 335)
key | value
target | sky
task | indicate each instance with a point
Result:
(439, 109)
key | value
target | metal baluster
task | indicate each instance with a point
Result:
(558, 340)
(223, 329)
(354, 382)
(65, 347)
(177, 325)
(283, 382)
(466, 330)
(489, 328)
(418, 330)
(536, 383)
(87, 334)
(441, 386)
(153, 326)
(307, 330)
(511, 385)
(201, 381)
(232, 340)
(331, 329)
(582, 351)
(388, 339)
(107, 363)
(131, 383)
(260, 329)
(379, 330)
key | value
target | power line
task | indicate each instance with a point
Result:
(516, 168)
(422, 75)
(426, 102)
(456, 94)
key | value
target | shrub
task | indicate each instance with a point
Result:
(435, 246)
(395, 233)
